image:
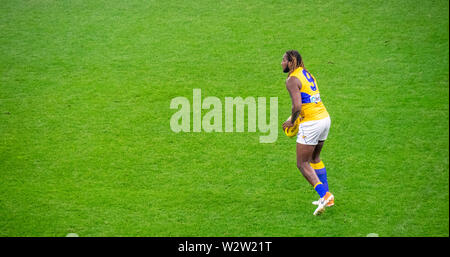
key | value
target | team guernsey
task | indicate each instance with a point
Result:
(312, 106)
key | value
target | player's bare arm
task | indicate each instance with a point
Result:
(293, 86)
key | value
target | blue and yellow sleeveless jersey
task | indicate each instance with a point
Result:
(312, 106)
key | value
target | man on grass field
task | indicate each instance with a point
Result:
(311, 122)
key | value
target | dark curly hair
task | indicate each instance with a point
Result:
(295, 60)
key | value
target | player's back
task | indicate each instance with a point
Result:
(312, 105)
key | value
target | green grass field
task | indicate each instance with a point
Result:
(85, 138)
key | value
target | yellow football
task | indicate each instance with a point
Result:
(292, 131)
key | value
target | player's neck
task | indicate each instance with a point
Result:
(292, 71)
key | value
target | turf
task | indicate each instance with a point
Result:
(86, 146)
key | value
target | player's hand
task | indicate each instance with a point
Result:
(287, 124)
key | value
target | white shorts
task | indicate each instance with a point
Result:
(311, 132)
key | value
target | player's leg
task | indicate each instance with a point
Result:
(307, 141)
(304, 155)
(318, 165)
(320, 169)
(310, 134)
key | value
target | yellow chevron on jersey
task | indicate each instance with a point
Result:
(312, 105)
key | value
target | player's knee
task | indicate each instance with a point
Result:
(315, 159)
(301, 165)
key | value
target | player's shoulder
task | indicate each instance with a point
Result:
(292, 81)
